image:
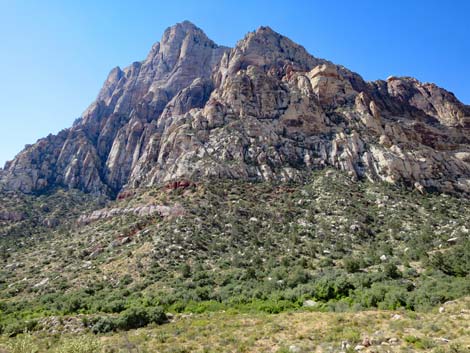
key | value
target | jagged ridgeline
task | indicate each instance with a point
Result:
(264, 110)
(256, 179)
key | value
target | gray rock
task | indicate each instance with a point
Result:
(264, 110)
(51, 222)
(294, 349)
(309, 303)
(41, 283)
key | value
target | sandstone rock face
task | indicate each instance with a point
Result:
(264, 110)
(98, 153)
(141, 211)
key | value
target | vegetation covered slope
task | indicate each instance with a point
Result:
(293, 331)
(327, 242)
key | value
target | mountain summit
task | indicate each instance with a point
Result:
(264, 110)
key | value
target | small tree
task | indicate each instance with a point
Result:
(186, 270)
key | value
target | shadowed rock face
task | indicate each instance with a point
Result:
(264, 110)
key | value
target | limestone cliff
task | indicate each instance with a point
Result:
(265, 109)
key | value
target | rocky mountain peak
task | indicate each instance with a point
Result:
(183, 54)
(265, 48)
(268, 51)
(179, 43)
(176, 34)
(264, 110)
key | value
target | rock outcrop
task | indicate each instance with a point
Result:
(11, 216)
(99, 152)
(264, 110)
(141, 211)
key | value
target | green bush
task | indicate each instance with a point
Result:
(132, 318)
(115, 306)
(104, 324)
(420, 343)
(74, 305)
(391, 271)
(395, 297)
(297, 276)
(136, 317)
(185, 270)
(351, 264)
(332, 286)
(16, 327)
(157, 315)
(455, 262)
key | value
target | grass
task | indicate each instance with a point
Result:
(261, 332)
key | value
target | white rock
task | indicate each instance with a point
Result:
(309, 303)
(294, 349)
(40, 284)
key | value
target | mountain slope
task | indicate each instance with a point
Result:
(221, 244)
(264, 110)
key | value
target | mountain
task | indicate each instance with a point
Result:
(265, 110)
(208, 190)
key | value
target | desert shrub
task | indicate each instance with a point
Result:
(126, 280)
(133, 317)
(114, 306)
(137, 316)
(16, 326)
(297, 276)
(420, 342)
(104, 324)
(74, 304)
(371, 297)
(394, 298)
(438, 289)
(352, 264)
(82, 344)
(205, 306)
(157, 315)
(23, 343)
(185, 270)
(455, 262)
(391, 271)
(332, 286)
(247, 264)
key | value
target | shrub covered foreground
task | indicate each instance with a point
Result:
(250, 247)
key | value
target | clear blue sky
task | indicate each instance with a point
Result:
(56, 54)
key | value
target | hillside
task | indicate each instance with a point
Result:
(327, 241)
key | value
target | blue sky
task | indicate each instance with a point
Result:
(56, 54)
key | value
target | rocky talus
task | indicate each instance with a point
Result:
(263, 110)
